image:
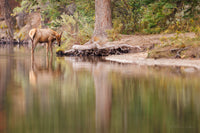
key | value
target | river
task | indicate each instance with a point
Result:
(89, 95)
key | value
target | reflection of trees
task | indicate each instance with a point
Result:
(158, 104)
(5, 77)
(143, 99)
(103, 92)
(127, 98)
(103, 98)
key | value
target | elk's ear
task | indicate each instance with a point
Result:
(61, 34)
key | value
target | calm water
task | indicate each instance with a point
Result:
(72, 95)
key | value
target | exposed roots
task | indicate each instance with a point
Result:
(94, 49)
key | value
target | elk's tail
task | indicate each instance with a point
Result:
(32, 34)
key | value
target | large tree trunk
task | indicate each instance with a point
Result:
(103, 21)
(6, 12)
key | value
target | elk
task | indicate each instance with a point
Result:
(47, 36)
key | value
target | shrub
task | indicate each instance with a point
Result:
(76, 29)
(114, 33)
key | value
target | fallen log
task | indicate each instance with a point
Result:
(95, 49)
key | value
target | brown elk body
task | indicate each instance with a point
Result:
(47, 36)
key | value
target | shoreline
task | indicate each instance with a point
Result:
(141, 59)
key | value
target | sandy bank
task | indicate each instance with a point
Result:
(140, 59)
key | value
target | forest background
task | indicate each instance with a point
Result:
(76, 18)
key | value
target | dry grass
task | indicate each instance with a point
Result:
(178, 47)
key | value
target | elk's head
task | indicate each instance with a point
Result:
(59, 39)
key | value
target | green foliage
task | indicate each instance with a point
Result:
(86, 9)
(76, 29)
(197, 31)
(25, 6)
(51, 12)
(155, 16)
(129, 12)
(129, 16)
(114, 33)
(169, 17)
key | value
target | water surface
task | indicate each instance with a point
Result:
(79, 95)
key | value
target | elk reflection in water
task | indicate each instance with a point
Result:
(43, 74)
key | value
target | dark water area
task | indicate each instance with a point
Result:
(93, 96)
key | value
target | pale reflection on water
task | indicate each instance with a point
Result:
(90, 95)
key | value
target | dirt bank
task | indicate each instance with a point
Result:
(148, 42)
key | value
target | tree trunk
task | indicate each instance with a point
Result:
(103, 20)
(6, 12)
